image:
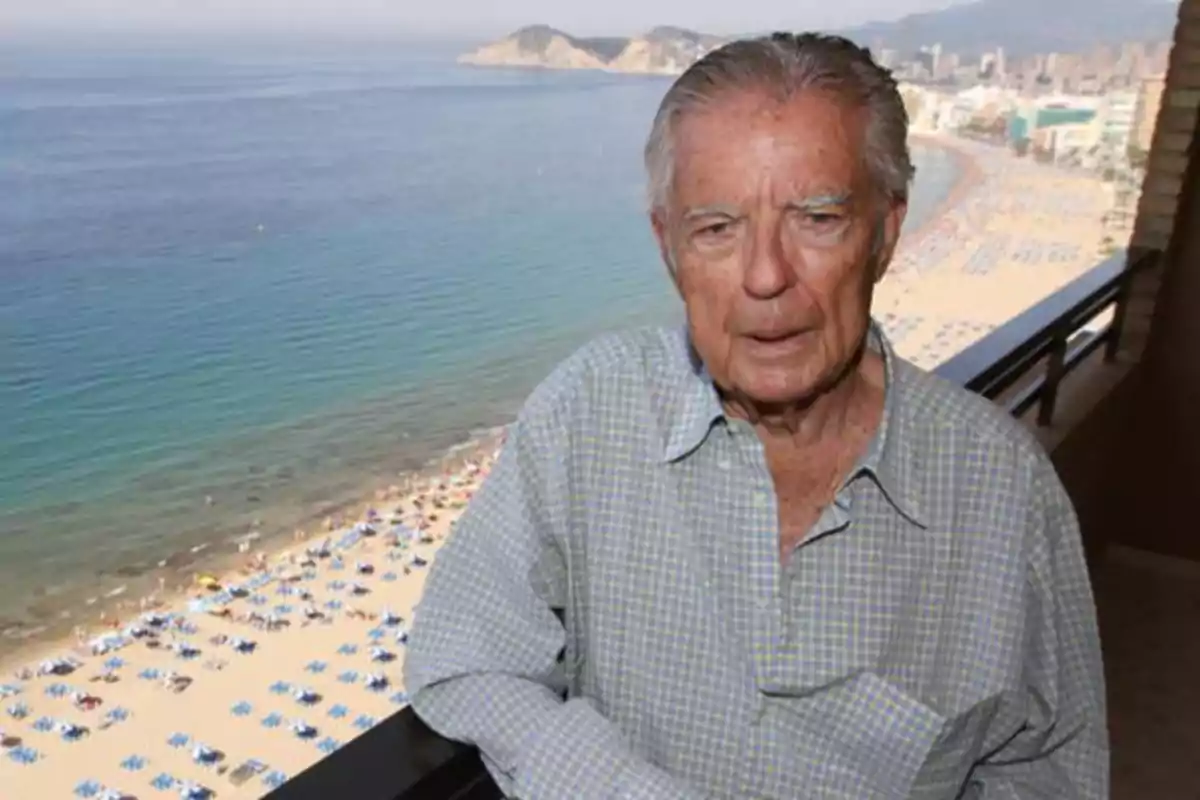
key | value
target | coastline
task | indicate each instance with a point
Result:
(220, 554)
(1012, 231)
(969, 177)
(112, 594)
(189, 659)
(98, 606)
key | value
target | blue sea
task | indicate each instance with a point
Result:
(280, 275)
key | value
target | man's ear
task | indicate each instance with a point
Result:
(658, 223)
(889, 236)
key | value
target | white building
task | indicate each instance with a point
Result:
(1117, 114)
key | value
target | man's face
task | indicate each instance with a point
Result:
(777, 237)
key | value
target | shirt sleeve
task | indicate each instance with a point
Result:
(1063, 753)
(482, 664)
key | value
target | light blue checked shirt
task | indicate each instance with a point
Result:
(933, 637)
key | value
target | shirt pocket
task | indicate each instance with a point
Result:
(881, 734)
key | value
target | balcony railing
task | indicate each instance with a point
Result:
(1020, 364)
(398, 759)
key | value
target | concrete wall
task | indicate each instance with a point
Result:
(1133, 466)
(1172, 134)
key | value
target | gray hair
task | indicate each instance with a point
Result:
(783, 64)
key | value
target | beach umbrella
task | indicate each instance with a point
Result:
(102, 644)
(206, 581)
(303, 729)
(69, 730)
(381, 655)
(185, 649)
(193, 791)
(203, 754)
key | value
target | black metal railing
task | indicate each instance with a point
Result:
(1022, 363)
(398, 759)
(402, 759)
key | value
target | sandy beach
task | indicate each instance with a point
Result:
(240, 683)
(1012, 232)
(275, 657)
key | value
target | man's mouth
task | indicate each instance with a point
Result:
(772, 337)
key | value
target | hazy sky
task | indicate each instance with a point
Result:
(450, 17)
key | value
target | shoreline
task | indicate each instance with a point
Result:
(111, 593)
(970, 176)
(97, 604)
(138, 697)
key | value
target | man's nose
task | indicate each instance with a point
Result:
(768, 271)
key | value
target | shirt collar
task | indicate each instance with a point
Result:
(890, 459)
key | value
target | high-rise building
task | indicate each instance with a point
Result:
(947, 65)
(1117, 116)
(930, 57)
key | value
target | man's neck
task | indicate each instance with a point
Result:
(854, 399)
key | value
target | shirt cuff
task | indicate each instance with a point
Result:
(579, 755)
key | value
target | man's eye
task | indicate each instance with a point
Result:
(822, 218)
(715, 228)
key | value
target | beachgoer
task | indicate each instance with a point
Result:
(782, 561)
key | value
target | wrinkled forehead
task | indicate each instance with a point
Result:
(745, 143)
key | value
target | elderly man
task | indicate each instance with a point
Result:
(765, 556)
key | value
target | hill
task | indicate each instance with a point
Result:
(1021, 27)
(1024, 27)
(664, 50)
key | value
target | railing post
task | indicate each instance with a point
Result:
(1055, 366)
(1116, 328)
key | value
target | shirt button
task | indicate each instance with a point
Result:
(723, 463)
(761, 499)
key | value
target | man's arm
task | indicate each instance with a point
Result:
(482, 659)
(1063, 754)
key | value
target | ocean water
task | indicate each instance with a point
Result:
(280, 275)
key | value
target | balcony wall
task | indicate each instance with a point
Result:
(1128, 449)
(1132, 462)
